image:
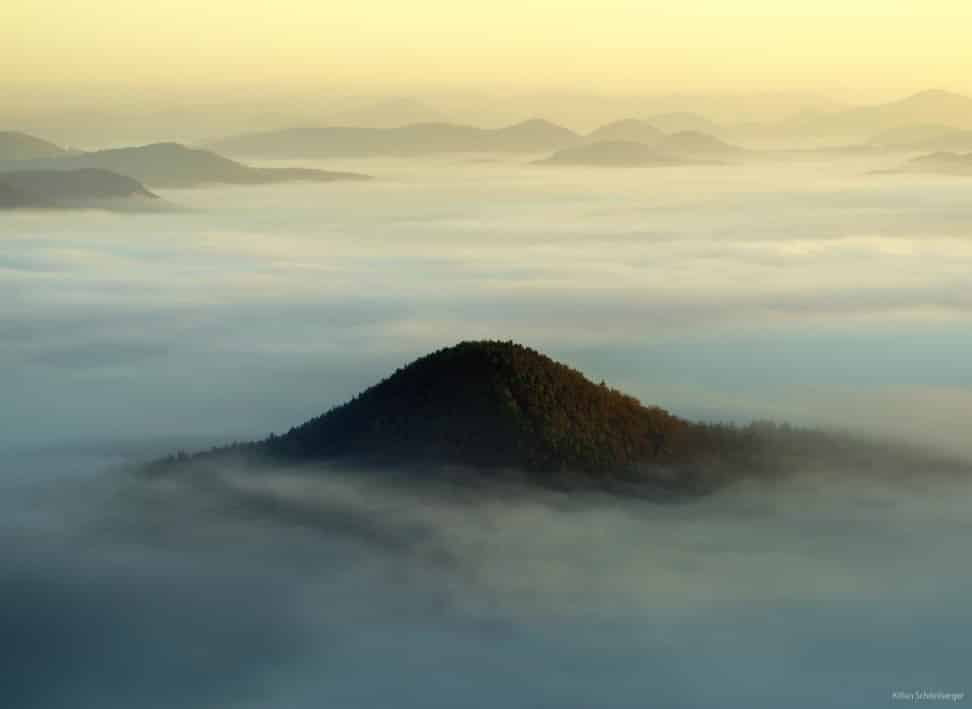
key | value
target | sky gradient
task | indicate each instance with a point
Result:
(874, 49)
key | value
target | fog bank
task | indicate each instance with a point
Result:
(340, 590)
(816, 292)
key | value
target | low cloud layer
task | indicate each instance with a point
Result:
(815, 293)
(289, 299)
(343, 589)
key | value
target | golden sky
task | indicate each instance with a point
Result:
(613, 46)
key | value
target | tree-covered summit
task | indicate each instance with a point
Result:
(490, 403)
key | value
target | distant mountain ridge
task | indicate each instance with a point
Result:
(535, 135)
(685, 148)
(941, 108)
(175, 165)
(853, 125)
(531, 136)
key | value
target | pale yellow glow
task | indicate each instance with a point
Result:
(611, 46)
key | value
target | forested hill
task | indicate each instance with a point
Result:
(495, 404)
(502, 406)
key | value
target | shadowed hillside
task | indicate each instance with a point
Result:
(55, 189)
(494, 406)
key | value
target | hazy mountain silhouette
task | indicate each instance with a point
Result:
(530, 136)
(499, 406)
(942, 107)
(416, 139)
(939, 164)
(21, 146)
(627, 130)
(50, 189)
(174, 165)
(614, 153)
(925, 108)
(926, 138)
(685, 148)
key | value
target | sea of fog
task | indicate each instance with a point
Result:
(814, 292)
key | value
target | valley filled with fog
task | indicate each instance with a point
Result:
(812, 290)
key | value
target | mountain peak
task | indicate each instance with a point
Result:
(487, 404)
(538, 126)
